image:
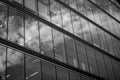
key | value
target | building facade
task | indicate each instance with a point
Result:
(59, 40)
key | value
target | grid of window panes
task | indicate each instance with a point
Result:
(25, 30)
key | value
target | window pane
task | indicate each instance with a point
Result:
(31, 4)
(83, 77)
(109, 68)
(43, 9)
(83, 63)
(46, 40)
(60, 53)
(33, 68)
(74, 76)
(15, 26)
(2, 61)
(3, 20)
(15, 65)
(101, 64)
(115, 69)
(62, 74)
(31, 33)
(91, 60)
(48, 71)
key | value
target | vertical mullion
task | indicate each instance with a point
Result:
(24, 41)
(73, 33)
(40, 63)
(24, 46)
(7, 39)
(53, 45)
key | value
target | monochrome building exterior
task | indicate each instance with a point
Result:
(59, 40)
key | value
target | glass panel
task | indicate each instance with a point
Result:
(71, 52)
(77, 25)
(109, 68)
(15, 26)
(48, 71)
(115, 69)
(31, 33)
(55, 13)
(101, 64)
(91, 60)
(66, 19)
(15, 65)
(33, 68)
(117, 48)
(3, 20)
(86, 30)
(83, 77)
(2, 62)
(43, 9)
(82, 56)
(60, 52)
(110, 44)
(116, 27)
(62, 74)
(74, 76)
(31, 4)
(46, 40)
(116, 45)
(81, 6)
(72, 3)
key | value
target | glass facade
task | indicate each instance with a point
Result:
(81, 35)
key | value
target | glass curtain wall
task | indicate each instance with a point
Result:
(25, 30)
